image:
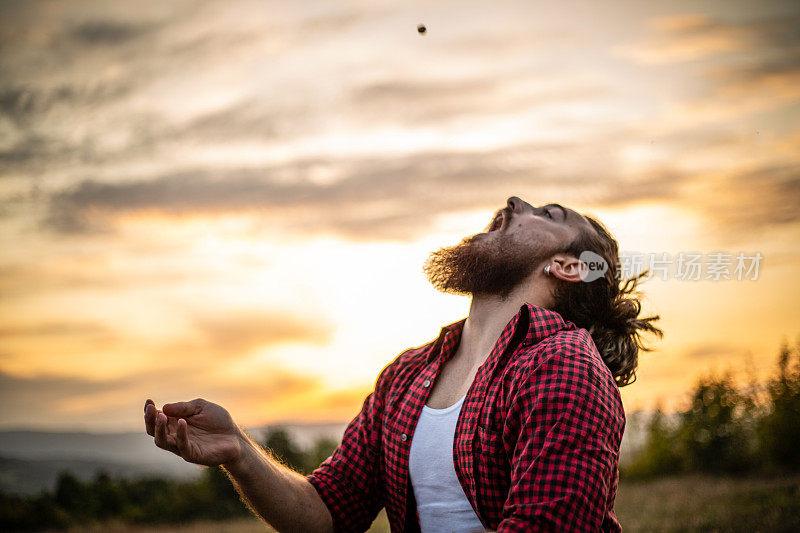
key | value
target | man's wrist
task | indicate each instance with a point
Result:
(247, 452)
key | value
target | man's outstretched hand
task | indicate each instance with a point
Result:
(204, 433)
(200, 432)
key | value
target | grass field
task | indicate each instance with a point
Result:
(687, 503)
(700, 503)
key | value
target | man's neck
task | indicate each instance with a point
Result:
(488, 316)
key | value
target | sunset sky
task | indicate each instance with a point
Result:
(233, 200)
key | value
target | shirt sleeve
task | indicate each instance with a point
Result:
(564, 463)
(349, 481)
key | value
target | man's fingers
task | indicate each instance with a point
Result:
(183, 409)
(183, 439)
(150, 417)
(161, 430)
(163, 439)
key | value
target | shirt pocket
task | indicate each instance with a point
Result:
(490, 443)
(492, 468)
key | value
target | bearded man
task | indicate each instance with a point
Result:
(510, 420)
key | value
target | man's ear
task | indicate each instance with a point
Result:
(568, 268)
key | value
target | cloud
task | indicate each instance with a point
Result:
(275, 386)
(197, 365)
(715, 351)
(258, 120)
(658, 184)
(692, 37)
(107, 87)
(21, 278)
(423, 102)
(107, 32)
(34, 400)
(55, 329)
(687, 37)
(47, 400)
(23, 103)
(346, 400)
(417, 103)
(780, 78)
(216, 337)
(179, 383)
(72, 76)
(768, 195)
(221, 337)
(363, 197)
(396, 197)
(238, 331)
(401, 197)
(32, 342)
(43, 388)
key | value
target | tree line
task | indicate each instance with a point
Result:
(727, 427)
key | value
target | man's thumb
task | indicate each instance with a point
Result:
(183, 409)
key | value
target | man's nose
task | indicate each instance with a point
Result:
(518, 205)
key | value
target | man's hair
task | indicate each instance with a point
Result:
(608, 307)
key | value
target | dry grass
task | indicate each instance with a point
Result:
(687, 503)
(703, 503)
(245, 525)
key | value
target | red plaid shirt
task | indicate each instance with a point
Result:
(536, 445)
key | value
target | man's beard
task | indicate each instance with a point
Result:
(486, 264)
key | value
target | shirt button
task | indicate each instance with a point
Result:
(427, 383)
(403, 437)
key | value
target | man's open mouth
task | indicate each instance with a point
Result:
(498, 222)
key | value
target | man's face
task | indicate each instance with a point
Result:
(518, 239)
(549, 225)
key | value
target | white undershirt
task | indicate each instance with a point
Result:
(441, 503)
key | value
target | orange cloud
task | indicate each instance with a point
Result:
(239, 331)
(687, 37)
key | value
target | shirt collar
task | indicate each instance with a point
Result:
(539, 323)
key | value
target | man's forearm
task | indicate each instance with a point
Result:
(285, 499)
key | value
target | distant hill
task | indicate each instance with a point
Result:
(31, 460)
(30, 476)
